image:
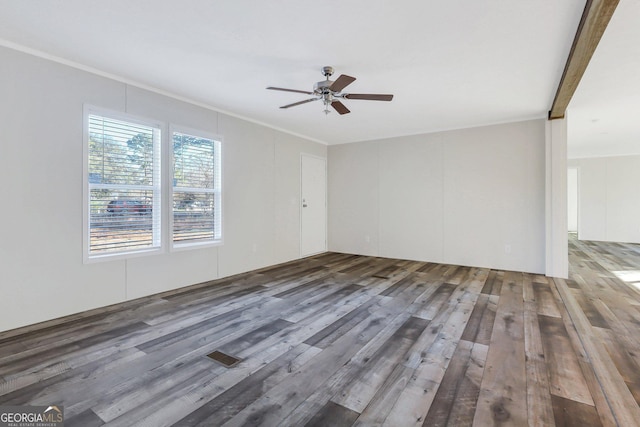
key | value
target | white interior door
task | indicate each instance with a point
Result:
(313, 205)
(572, 200)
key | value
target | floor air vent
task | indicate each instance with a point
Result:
(224, 359)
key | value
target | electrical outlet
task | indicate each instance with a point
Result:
(367, 239)
(507, 249)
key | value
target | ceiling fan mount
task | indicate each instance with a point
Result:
(330, 92)
(327, 71)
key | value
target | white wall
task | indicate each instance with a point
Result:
(41, 271)
(470, 197)
(609, 200)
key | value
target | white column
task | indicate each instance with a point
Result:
(557, 251)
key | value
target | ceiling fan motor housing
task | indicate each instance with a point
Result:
(322, 87)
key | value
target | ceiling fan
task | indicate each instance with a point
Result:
(330, 92)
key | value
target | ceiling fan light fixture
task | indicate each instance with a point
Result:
(330, 91)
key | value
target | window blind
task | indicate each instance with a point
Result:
(196, 189)
(124, 190)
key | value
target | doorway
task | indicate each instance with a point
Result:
(572, 200)
(313, 205)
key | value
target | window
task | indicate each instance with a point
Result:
(128, 208)
(123, 186)
(196, 198)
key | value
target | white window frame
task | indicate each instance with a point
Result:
(157, 211)
(216, 190)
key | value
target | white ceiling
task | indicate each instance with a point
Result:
(604, 114)
(450, 64)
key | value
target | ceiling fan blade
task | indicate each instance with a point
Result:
(299, 103)
(290, 90)
(340, 107)
(341, 82)
(369, 96)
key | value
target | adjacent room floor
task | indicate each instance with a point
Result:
(340, 340)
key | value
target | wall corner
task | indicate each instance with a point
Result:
(556, 240)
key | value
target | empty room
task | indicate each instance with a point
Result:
(292, 213)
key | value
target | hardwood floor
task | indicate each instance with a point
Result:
(341, 340)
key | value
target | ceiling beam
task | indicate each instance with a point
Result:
(594, 21)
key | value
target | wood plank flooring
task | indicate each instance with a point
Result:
(345, 340)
